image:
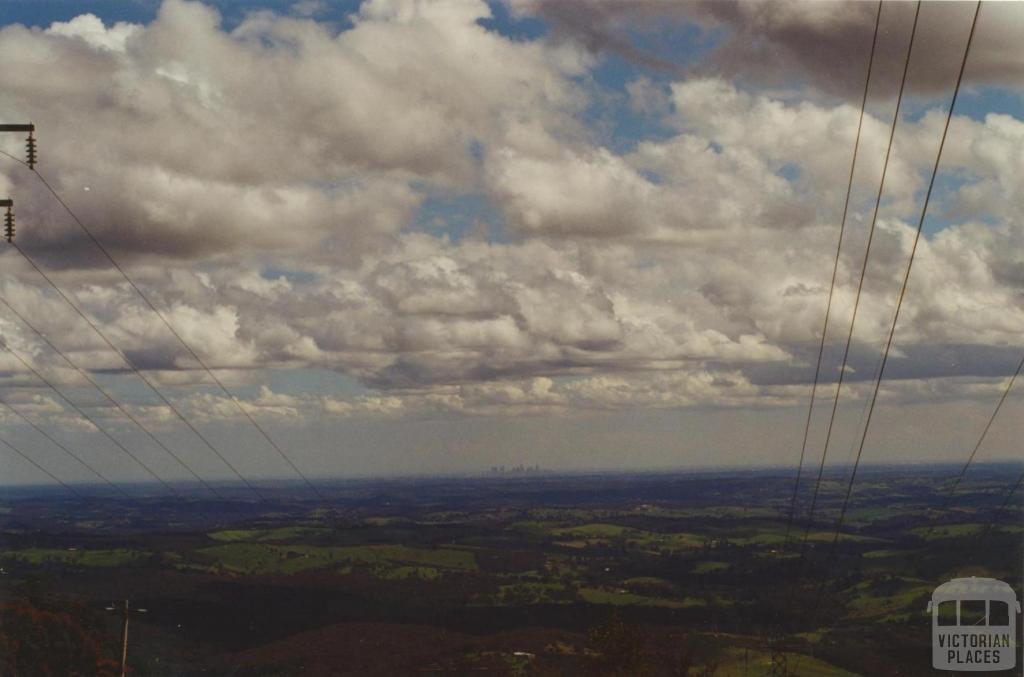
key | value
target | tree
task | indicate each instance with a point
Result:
(615, 648)
(36, 642)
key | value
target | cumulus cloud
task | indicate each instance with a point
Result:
(824, 44)
(263, 183)
(279, 134)
(448, 328)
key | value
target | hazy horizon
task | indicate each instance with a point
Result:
(325, 481)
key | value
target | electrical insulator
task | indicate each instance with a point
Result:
(9, 225)
(30, 148)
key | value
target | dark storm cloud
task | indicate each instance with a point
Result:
(823, 43)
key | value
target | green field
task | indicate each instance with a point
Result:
(603, 534)
(275, 534)
(737, 661)
(960, 530)
(401, 572)
(888, 597)
(623, 598)
(84, 558)
(462, 583)
(261, 558)
(592, 531)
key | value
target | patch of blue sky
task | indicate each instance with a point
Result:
(44, 12)
(476, 151)
(667, 50)
(502, 21)
(651, 176)
(272, 272)
(943, 208)
(914, 108)
(943, 211)
(334, 12)
(660, 56)
(310, 381)
(452, 217)
(127, 388)
(977, 102)
(972, 102)
(611, 117)
(789, 171)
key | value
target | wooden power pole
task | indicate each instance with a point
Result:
(124, 639)
(126, 612)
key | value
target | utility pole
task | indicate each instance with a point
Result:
(30, 142)
(30, 160)
(8, 219)
(125, 613)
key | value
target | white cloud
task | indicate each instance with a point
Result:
(278, 135)
(690, 271)
(90, 29)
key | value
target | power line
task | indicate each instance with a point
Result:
(902, 295)
(974, 451)
(863, 413)
(81, 412)
(172, 330)
(906, 276)
(888, 344)
(860, 284)
(94, 424)
(85, 374)
(778, 653)
(49, 474)
(63, 448)
(178, 336)
(899, 305)
(835, 271)
(124, 358)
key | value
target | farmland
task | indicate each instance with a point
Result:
(518, 576)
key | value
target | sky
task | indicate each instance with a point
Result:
(418, 237)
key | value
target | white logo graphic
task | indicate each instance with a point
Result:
(974, 625)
